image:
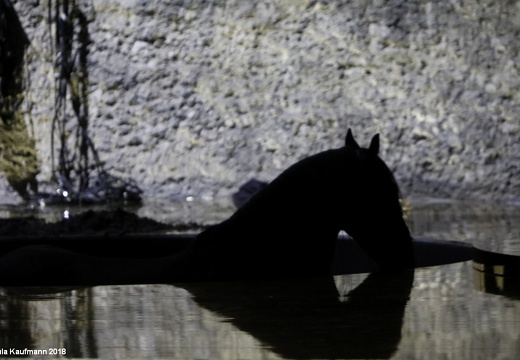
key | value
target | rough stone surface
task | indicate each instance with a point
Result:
(196, 97)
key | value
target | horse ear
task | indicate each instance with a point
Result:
(349, 140)
(374, 145)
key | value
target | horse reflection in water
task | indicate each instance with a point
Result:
(287, 230)
(304, 319)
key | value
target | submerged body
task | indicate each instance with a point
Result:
(288, 229)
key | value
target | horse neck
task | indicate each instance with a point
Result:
(292, 208)
(302, 200)
(295, 217)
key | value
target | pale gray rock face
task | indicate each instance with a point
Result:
(197, 97)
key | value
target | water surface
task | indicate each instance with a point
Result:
(434, 313)
(431, 313)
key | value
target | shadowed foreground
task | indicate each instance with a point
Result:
(84, 261)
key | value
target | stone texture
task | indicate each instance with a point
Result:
(196, 97)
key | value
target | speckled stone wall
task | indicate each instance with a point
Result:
(196, 97)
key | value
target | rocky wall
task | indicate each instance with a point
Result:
(196, 97)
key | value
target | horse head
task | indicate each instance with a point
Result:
(374, 216)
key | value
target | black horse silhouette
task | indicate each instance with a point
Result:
(288, 229)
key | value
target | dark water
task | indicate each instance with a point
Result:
(441, 312)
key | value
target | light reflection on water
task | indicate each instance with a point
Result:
(138, 321)
(169, 211)
(489, 226)
(351, 316)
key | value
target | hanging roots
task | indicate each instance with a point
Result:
(77, 169)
